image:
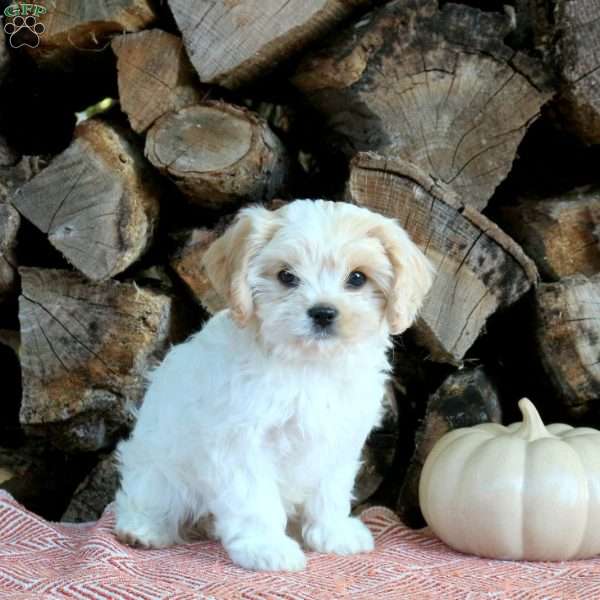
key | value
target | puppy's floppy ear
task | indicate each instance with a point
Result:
(413, 275)
(227, 258)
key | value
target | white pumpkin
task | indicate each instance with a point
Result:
(525, 491)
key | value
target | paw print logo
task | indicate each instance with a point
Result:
(24, 32)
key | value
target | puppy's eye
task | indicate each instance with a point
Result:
(356, 279)
(288, 279)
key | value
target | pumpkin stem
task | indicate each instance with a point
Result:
(533, 427)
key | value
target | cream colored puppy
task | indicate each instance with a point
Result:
(262, 415)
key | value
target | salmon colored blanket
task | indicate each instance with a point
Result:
(54, 561)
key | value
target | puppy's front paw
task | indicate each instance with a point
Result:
(143, 538)
(349, 536)
(270, 554)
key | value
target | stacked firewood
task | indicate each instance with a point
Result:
(134, 131)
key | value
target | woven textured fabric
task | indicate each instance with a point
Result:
(54, 561)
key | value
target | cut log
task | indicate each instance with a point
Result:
(231, 43)
(561, 234)
(84, 351)
(97, 201)
(187, 263)
(568, 337)
(577, 24)
(218, 154)
(94, 493)
(479, 269)
(72, 26)
(9, 227)
(465, 399)
(436, 87)
(379, 450)
(187, 260)
(155, 76)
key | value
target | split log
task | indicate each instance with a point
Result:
(561, 234)
(94, 493)
(72, 26)
(465, 399)
(479, 269)
(155, 76)
(84, 351)
(97, 201)
(218, 154)
(232, 43)
(14, 172)
(568, 338)
(436, 87)
(577, 25)
(379, 450)
(9, 227)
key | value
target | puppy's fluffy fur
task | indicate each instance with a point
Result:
(262, 415)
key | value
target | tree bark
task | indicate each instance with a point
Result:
(218, 154)
(561, 234)
(94, 493)
(73, 26)
(577, 54)
(436, 87)
(9, 227)
(479, 269)
(465, 399)
(97, 201)
(568, 338)
(9, 217)
(155, 76)
(85, 349)
(231, 43)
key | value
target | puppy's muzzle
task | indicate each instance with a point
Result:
(323, 316)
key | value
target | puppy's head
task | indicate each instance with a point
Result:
(316, 275)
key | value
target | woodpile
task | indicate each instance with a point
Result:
(451, 119)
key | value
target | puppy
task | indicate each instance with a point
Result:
(261, 416)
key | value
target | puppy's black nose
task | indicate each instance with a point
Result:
(322, 315)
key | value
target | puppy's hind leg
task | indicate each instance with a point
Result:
(148, 509)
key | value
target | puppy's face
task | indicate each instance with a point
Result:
(318, 276)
